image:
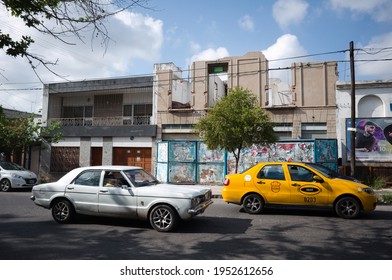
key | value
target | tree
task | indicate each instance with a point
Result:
(17, 134)
(236, 122)
(71, 18)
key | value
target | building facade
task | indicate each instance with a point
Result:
(121, 121)
(373, 105)
(102, 122)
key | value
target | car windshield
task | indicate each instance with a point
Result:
(10, 166)
(327, 172)
(140, 177)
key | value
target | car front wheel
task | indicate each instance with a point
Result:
(253, 204)
(5, 185)
(62, 211)
(163, 218)
(347, 207)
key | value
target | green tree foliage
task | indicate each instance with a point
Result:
(20, 132)
(236, 122)
(71, 18)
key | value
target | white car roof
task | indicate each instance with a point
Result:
(72, 174)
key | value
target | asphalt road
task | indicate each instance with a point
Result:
(223, 232)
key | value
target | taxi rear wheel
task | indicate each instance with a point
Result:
(347, 207)
(253, 204)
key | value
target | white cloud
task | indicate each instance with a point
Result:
(380, 10)
(135, 38)
(287, 12)
(210, 54)
(375, 50)
(246, 23)
(286, 46)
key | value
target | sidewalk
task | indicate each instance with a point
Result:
(216, 191)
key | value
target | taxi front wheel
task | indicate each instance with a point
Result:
(347, 207)
(253, 204)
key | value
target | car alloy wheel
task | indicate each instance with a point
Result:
(62, 211)
(163, 218)
(253, 204)
(347, 207)
(5, 185)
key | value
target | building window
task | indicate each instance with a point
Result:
(77, 115)
(137, 114)
(283, 131)
(313, 130)
(217, 82)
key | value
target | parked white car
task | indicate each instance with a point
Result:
(121, 191)
(14, 176)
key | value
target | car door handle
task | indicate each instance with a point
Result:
(70, 188)
(260, 182)
(296, 185)
(103, 191)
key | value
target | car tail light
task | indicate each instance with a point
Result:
(226, 182)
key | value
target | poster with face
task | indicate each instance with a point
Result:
(373, 139)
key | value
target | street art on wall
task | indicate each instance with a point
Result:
(191, 162)
(373, 139)
(280, 151)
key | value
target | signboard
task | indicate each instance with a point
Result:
(373, 139)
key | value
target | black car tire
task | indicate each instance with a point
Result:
(253, 204)
(5, 185)
(62, 211)
(347, 207)
(163, 218)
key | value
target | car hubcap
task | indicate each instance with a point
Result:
(61, 211)
(4, 186)
(348, 208)
(253, 204)
(162, 218)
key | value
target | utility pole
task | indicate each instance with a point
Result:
(352, 127)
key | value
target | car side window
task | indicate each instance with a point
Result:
(271, 172)
(299, 173)
(88, 178)
(114, 179)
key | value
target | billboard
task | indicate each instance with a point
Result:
(373, 139)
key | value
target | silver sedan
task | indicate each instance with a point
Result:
(121, 191)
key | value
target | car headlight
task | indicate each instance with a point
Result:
(366, 190)
(195, 201)
(17, 176)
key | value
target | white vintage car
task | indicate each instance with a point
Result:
(121, 191)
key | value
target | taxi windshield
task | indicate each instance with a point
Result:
(327, 172)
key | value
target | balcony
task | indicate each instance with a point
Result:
(103, 121)
(119, 126)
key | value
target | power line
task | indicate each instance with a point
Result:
(367, 51)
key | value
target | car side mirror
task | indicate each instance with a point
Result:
(318, 179)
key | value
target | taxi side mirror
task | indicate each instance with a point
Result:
(318, 179)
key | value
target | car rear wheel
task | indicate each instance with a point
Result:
(347, 207)
(5, 185)
(163, 218)
(253, 204)
(62, 211)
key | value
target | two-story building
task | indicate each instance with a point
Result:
(302, 108)
(105, 122)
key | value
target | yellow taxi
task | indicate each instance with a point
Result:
(295, 183)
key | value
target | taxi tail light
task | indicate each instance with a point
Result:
(226, 182)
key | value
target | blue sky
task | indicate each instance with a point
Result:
(184, 31)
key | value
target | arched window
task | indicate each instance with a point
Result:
(370, 106)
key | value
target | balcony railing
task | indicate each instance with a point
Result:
(103, 121)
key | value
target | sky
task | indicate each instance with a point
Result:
(183, 31)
